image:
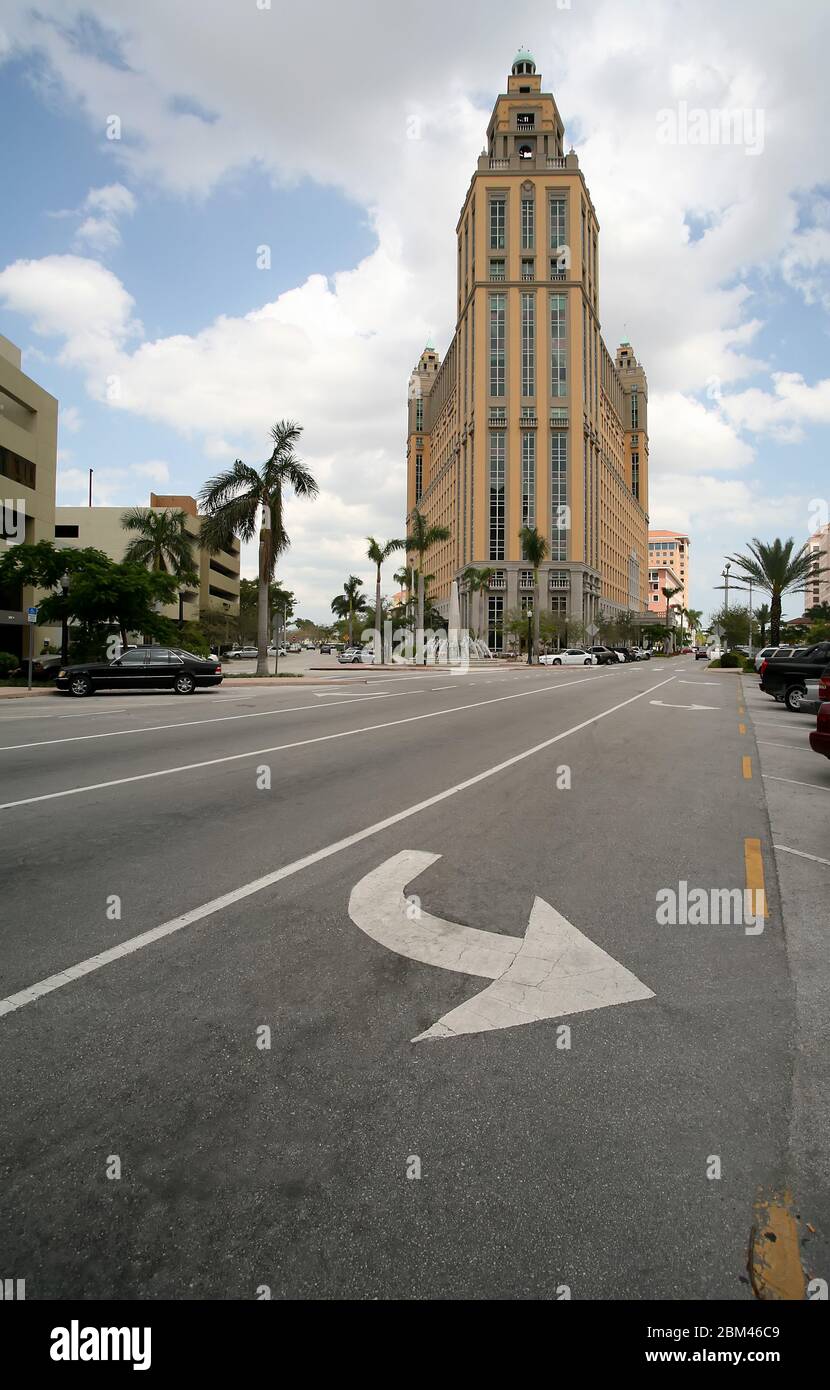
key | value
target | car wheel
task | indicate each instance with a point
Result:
(80, 686)
(556, 661)
(184, 684)
(794, 698)
(588, 662)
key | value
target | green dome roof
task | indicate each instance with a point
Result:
(524, 55)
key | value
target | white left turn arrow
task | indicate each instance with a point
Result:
(553, 970)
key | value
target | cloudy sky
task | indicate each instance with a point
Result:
(272, 235)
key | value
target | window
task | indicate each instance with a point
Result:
(558, 345)
(558, 235)
(495, 619)
(498, 209)
(635, 409)
(419, 476)
(528, 268)
(497, 344)
(558, 270)
(525, 120)
(559, 496)
(63, 532)
(635, 475)
(134, 657)
(528, 478)
(497, 448)
(528, 344)
(419, 413)
(17, 469)
(528, 224)
(497, 269)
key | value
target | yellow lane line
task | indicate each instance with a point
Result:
(754, 867)
(747, 768)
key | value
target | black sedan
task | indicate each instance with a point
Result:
(142, 668)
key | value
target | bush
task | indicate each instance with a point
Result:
(8, 663)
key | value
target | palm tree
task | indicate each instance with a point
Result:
(477, 582)
(668, 594)
(351, 602)
(162, 541)
(379, 552)
(775, 569)
(535, 550)
(695, 616)
(421, 538)
(244, 498)
(762, 619)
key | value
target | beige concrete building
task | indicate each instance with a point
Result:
(818, 585)
(28, 460)
(529, 420)
(218, 586)
(662, 577)
(671, 549)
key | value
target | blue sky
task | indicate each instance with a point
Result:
(244, 126)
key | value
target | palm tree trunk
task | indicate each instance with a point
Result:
(419, 634)
(379, 652)
(775, 620)
(535, 611)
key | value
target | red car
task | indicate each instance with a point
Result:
(820, 737)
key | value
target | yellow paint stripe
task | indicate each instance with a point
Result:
(742, 728)
(775, 1267)
(747, 766)
(741, 709)
(754, 867)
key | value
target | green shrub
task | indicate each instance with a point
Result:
(8, 663)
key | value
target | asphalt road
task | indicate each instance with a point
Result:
(177, 878)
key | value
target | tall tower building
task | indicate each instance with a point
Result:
(529, 420)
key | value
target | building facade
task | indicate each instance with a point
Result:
(28, 461)
(662, 577)
(218, 583)
(670, 549)
(529, 420)
(818, 584)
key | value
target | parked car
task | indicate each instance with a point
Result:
(572, 656)
(803, 699)
(785, 678)
(764, 655)
(294, 647)
(624, 653)
(604, 655)
(820, 737)
(141, 668)
(354, 656)
(701, 654)
(276, 651)
(641, 653)
(687, 651)
(242, 654)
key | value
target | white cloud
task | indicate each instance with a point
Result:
(337, 354)
(70, 419)
(783, 411)
(156, 469)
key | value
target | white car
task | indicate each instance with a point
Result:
(764, 655)
(243, 654)
(355, 656)
(572, 656)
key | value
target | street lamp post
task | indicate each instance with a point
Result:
(529, 635)
(64, 583)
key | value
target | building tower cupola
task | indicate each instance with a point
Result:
(524, 64)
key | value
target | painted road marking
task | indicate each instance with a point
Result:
(747, 767)
(305, 742)
(754, 868)
(785, 849)
(794, 783)
(766, 743)
(197, 914)
(775, 1267)
(666, 705)
(716, 684)
(742, 728)
(550, 971)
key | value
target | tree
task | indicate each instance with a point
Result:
(778, 570)
(280, 600)
(379, 552)
(695, 616)
(105, 594)
(478, 582)
(668, 594)
(161, 542)
(818, 613)
(535, 550)
(244, 500)
(348, 604)
(421, 538)
(734, 625)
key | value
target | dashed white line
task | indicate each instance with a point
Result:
(785, 849)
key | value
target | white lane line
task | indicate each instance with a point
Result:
(785, 849)
(765, 743)
(443, 687)
(102, 707)
(782, 728)
(196, 914)
(794, 783)
(298, 743)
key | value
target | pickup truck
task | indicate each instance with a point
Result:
(786, 678)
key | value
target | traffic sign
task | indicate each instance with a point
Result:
(592, 629)
(31, 615)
